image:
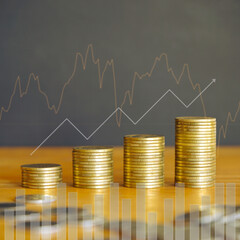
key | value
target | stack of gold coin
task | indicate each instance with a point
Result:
(42, 175)
(195, 151)
(144, 161)
(92, 166)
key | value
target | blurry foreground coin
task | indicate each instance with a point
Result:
(36, 198)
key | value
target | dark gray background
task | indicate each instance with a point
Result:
(43, 37)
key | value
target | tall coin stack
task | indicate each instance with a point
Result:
(92, 166)
(195, 151)
(42, 175)
(144, 161)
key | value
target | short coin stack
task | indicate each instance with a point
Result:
(144, 160)
(42, 175)
(195, 151)
(92, 166)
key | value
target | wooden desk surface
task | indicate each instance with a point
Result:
(228, 171)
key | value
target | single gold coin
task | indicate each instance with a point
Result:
(88, 186)
(183, 173)
(143, 154)
(92, 183)
(144, 144)
(143, 185)
(190, 166)
(93, 149)
(195, 180)
(92, 179)
(105, 170)
(143, 136)
(41, 166)
(195, 119)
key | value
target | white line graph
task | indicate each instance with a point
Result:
(125, 114)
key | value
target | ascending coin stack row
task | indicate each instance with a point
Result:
(41, 175)
(195, 151)
(92, 166)
(144, 161)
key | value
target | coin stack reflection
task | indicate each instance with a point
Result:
(92, 166)
(195, 151)
(144, 160)
(42, 175)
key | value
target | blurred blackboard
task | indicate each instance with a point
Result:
(75, 62)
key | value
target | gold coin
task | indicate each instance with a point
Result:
(87, 174)
(41, 166)
(150, 164)
(195, 150)
(93, 161)
(143, 173)
(141, 149)
(80, 156)
(92, 155)
(135, 180)
(143, 136)
(195, 157)
(31, 185)
(92, 165)
(195, 119)
(93, 178)
(194, 173)
(42, 173)
(195, 131)
(41, 182)
(197, 140)
(195, 137)
(194, 125)
(143, 160)
(150, 187)
(193, 134)
(143, 157)
(186, 145)
(144, 140)
(87, 186)
(180, 153)
(143, 154)
(93, 172)
(41, 178)
(181, 125)
(142, 167)
(92, 183)
(195, 179)
(143, 178)
(197, 161)
(93, 148)
(144, 144)
(39, 187)
(199, 184)
(142, 164)
(160, 181)
(157, 173)
(93, 175)
(92, 169)
(195, 166)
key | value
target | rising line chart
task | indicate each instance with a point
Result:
(129, 94)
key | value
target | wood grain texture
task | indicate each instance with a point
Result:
(228, 171)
